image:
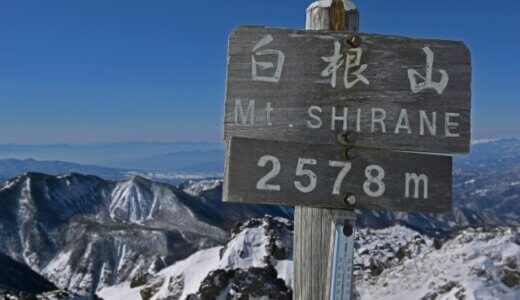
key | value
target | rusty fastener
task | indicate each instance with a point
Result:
(354, 41)
(350, 137)
(351, 153)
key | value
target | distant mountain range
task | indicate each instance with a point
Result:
(184, 161)
(142, 156)
(10, 168)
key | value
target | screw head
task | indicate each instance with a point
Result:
(354, 41)
(348, 230)
(350, 137)
(351, 199)
(351, 153)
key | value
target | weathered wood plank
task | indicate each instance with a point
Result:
(308, 275)
(315, 223)
(271, 172)
(325, 223)
(383, 104)
(297, 249)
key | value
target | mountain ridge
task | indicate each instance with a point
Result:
(74, 220)
(126, 155)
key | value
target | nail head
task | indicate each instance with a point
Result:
(350, 137)
(351, 199)
(354, 41)
(351, 153)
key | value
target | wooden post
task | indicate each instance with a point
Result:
(314, 227)
(337, 16)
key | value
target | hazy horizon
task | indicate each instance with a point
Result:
(218, 143)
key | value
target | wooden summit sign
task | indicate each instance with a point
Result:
(311, 120)
(311, 86)
(312, 175)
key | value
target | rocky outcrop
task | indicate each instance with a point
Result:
(255, 262)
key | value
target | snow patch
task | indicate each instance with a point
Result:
(483, 141)
(196, 188)
(471, 181)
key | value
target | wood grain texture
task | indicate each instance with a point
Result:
(297, 253)
(313, 266)
(243, 174)
(337, 16)
(301, 85)
(307, 277)
(315, 246)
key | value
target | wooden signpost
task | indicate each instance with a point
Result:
(310, 86)
(312, 119)
(260, 171)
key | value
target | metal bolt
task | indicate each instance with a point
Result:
(350, 137)
(351, 153)
(348, 230)
(354, 41)
(351, 199)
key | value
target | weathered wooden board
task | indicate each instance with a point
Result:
(398, 93)
(259, 171)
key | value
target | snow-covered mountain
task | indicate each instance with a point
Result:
(139, 237)
(255, 262)
(392, 263)
(486, 187)
(398, 263)
(84, 233)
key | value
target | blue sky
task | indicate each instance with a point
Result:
(104, 71)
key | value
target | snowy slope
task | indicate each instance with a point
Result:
(396, 263)
(196, 188)
(393, 263)
(85, 233)
(264, 245)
